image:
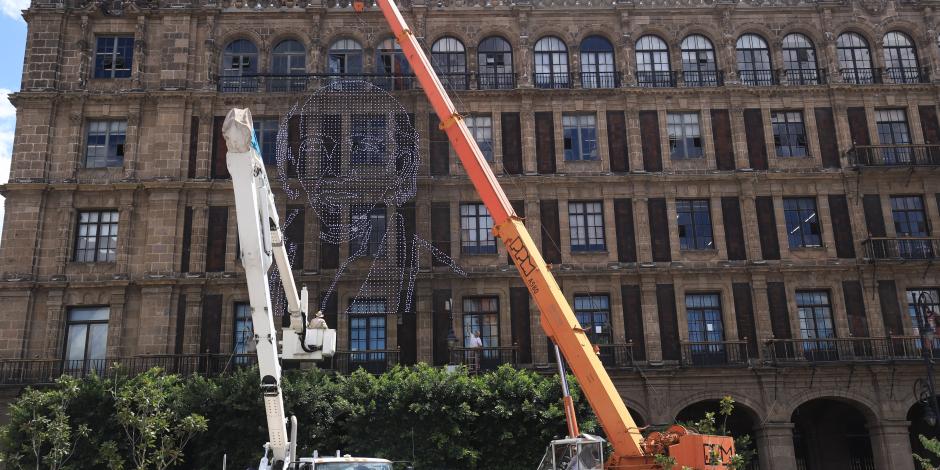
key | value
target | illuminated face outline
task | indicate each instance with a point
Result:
(373, 179)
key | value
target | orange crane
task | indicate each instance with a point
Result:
(557, 318)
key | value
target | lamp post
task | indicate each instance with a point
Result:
(927, 332)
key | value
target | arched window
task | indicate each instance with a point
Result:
(239, 65)
(597, 63)
(288, 58)
(551, 63)
(390, 62)
(753, 56)
(799, 61)
(652, 63)
(345, 58)
(698, 62)
(494, 58)
(450, 61)
(855, 59)
(901, 58)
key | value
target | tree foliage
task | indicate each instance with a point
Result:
(932, 445)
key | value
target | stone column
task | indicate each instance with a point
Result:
(116, 323)
(654, 348)
(775, 446)
(55, 323)
(192, 325)
(891, 445)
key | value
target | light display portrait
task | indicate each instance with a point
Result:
(352, 151)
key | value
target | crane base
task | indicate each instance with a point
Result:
(632, 463)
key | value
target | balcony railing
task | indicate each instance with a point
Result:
(912, 248)
(895, 155)
(299, 83)
(861, 76)
(907, 75)
(656, 79)
(758, 77)
(600, 80)
(484, 359)
(714, 353)
(703, 78)
(45, 371)
(617, 356)
(552, 80)
(805, 76)
(822, 350)
(375, 361)
(496, 81)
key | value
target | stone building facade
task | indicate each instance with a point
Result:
(738, 197)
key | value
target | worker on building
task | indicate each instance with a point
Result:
(317, 322)
(476, 353)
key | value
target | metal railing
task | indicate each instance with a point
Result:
(895, 155)
(46, 371)
(552, 80)
(912, 248)
(758, 77)
(456, 81)
(273, 83)
(483, 359)
(907, 74)
(600, 80)
(703, 78)
(617, 355)
(805, 76)
(374, 361)
(822, 350)
(656, 79)
(496, 81)
(714, 353)
(861, 76)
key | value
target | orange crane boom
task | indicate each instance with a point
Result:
(557, 318)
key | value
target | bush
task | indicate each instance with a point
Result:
(436, 419)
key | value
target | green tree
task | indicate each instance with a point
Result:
(41, 433)
(932, 445)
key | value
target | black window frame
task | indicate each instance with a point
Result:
(86, 363)
(699, 63)
(449, 57)
(855, 59)
(110, 239)
(811, 313)
(588, 312)
(902, 63)
(483, 242)
(755, 64)
(376, 228)
(594, 72)
(584, 212)
(577, 137)
(553, 53)
(655, 68)
(789, 134)
(894, 132)
(684, 146)
(692, 236)
(796, 211)
(121, 52)
(799, 60)
(114, 146)
(266, 130)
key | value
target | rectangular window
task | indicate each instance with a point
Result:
(481, 315)
(243, 333)
(476, 230)
(694, 219)
(894, 132)
(685, 137)
(369, 227)
(96, 236)
(706, 329)
(816, 322)
(803, 228)
(104, 144)
(266, 134)
(789, 133)
(368, 137)
(924, 302)
(113, 56)
(593, 312)
(86, 342)
(367, 333)
(580, 136)
(910, 223)
(481, 127)
(586, 223)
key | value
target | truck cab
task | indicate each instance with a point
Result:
(345, 462)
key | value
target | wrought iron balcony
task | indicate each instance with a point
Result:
(552, 80)
(703, 78)
(600, 80)
(861, 76)
(902, 249)
(805, 76)
(484, 359)
(375, 361)
(714, 353)
(894, 155)
(656, 79)
(758, 77)
(298, 83)
(907, 75)
(496, 81)
(617, 356)
(833, 350)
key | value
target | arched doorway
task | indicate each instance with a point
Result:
(923, 422)
(742, 421)
(829, 433)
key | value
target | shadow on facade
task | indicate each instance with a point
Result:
(742, 421)
(830, 434)
(917, 416)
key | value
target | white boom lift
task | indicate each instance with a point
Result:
(261, 242)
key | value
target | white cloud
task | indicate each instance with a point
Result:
(14, 8)
(7, 126)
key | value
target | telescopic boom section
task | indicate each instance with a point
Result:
(558, 320)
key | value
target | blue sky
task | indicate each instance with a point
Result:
(13, 41)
